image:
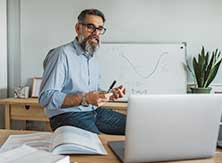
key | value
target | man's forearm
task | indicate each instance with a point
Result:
(72, 100)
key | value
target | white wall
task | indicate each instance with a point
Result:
(3, 56)
(3, 47)
(14, 58)
(48, 23)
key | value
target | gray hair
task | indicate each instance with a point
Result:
(86, 12)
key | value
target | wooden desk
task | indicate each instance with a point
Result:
(110, 158)
(30, 109)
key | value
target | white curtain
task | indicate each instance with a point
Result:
(3, 48)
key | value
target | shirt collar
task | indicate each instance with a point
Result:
(79, 50)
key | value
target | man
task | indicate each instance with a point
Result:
(69, 91)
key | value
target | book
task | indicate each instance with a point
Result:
(26, 154)
(65, 140)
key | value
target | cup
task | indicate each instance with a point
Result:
(26, 92)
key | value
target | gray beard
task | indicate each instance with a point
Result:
(88, 48)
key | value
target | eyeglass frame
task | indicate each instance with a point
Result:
(95, 28)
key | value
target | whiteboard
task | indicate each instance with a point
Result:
(144, 68)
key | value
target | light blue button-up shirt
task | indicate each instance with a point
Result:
(67, 70)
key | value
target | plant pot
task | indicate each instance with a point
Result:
(201, 90)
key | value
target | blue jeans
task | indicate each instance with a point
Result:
(99, 121)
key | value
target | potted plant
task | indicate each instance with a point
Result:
(205, 69)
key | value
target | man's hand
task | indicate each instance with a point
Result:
(118, 92)
(97, 98)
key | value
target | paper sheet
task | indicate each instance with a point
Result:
(40, 141)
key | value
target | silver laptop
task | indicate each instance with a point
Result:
(170, 127)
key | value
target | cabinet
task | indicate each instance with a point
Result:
(30, 109)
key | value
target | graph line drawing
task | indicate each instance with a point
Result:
(139, 73)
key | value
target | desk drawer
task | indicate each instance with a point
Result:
(27, 112)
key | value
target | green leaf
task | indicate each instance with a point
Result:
(212, 74)
(209, 67)
(202, 51)
(197, 72)
(201, 68)
(206, 58)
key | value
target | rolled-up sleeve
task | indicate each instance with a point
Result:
(55, 72)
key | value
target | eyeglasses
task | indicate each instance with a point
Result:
(92, 28)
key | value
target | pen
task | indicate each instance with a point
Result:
(112, 85)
